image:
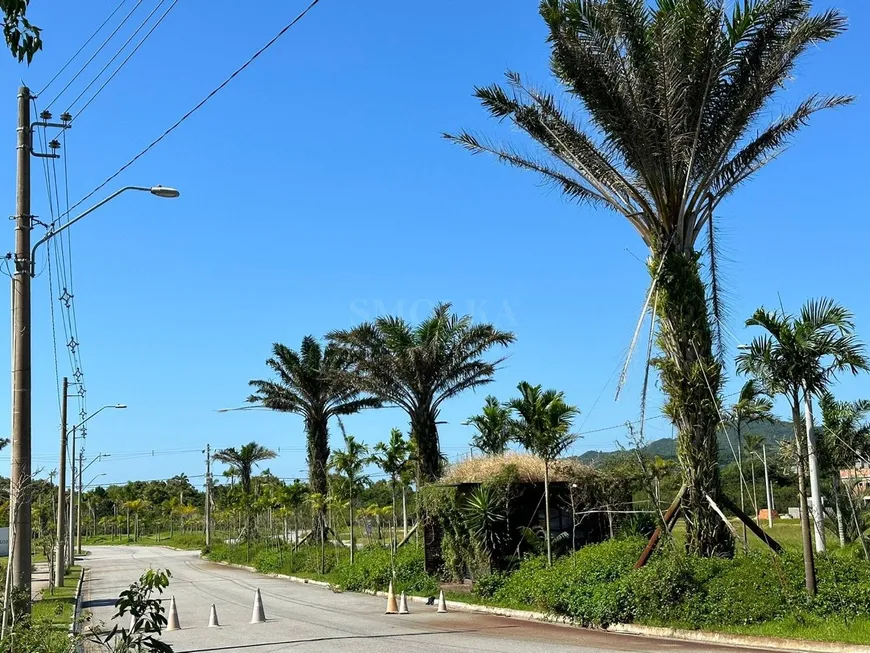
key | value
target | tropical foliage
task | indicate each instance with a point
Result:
(669, 102)
(492, 428)
(418, 368)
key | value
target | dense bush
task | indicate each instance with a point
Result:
(598, 586)
(371, 569)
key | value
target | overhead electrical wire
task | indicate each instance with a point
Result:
(84, 45)
(93, 56)
(196, 108)
(118, 53)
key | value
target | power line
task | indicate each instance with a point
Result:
(84, 45)
(93, 56)
(208, 97)
(120, 50)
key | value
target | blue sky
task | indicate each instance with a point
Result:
(317, 192)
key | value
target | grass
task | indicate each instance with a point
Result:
(58, 607)
(190, 541)
(786, 532)
(809, 627)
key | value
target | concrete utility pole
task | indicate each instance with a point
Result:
(79, 505)
(208, 495)
(20, 469)
(71, 558)
(59, 559)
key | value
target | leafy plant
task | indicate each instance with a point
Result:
(485, 520)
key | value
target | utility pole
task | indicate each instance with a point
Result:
(72, 504)
(20, 472)
(208, 495)
(59, 560)
(79, 506)
(767, 487)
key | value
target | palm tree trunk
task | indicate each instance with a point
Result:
(425, 434)
(740, 483)
(815, 485)
(691, 379)
(547, 510)
(404, 511)
(806, 535)
(318, 463)
(352, 543)
(841, 525)
(754, 493)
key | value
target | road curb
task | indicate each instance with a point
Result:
(74, 627)
(745, 641)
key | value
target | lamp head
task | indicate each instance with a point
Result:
(119, 406)
(164, 191)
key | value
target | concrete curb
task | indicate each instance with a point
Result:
(74, 627)
(746, 641)
(772, 643)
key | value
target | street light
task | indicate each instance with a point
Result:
(20, 531)
(72, 507)
(82, 470)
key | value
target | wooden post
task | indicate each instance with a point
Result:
(751, 525)
(670, 517)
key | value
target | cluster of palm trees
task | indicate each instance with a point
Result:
(798, 357)
(385, 362)
(539, 421)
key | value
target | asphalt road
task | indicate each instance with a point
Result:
(308, 618)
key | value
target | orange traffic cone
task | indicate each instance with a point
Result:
(392, 608)
(403, 604)
(258, 616)
(172, 617)
(442, 604)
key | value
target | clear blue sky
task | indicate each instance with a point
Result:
(317, 192)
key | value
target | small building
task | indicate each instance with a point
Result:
(585, 504)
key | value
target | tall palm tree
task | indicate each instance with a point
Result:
(311, 383)
(541, 426)
(753, 405)
(349, 463)
(492, 426)
(845, 439)
(420, 367)
(669, 99)
(392, 457)
(242, 460)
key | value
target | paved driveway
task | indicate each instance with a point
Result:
(308, 618)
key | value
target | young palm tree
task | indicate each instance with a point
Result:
(392, 457)
(670, 97)
(753, 405)
(419, 368)
(541, 426)
(845, 438)
(136, 506)
(242, 461)
(493, 428)
(349, 464)
(310, 383)
(292, 498)
(317, 502)
(797, 357)
(660, 468)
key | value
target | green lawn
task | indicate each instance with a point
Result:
(856, 631)
(192, 541)
(58, 606)
(786, 532)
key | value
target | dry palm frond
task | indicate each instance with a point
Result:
(528, 469)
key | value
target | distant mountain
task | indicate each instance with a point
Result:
(773, 433)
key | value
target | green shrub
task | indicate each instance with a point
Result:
(372, 571)
(488, 585)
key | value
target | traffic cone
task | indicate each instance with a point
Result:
(392, 608)
(212, 617)
(258, 616)
(403, 604)
(442, 604)
(172, 617)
